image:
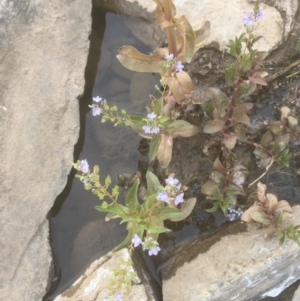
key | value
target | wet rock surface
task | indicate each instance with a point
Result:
(43, 52)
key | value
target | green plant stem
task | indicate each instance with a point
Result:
(172, 46)
(228, 121)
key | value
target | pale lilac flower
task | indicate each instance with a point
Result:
(163, 196)
(147, 129)
(96, 111)
(155, 130)
(248, 19)
(179, 66)
(136, 240)
(179, 199)
(118, 296)
(151, 116)
(84, 166)
(154, 250)
(231, 217)
(266, 122)
(169, 56)
(260, 15)
(97, 99)
(171, 181)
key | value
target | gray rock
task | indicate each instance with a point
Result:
(94, 283)
(43, 53)
(242, 266)
(225, 18)
(116, 86)
(296, 296)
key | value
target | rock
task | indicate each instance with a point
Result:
(225, 19)
(43, 52)
(296, 296)
(116, 86)
(243, 266)
(93, 284)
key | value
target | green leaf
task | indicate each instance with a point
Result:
(134, 60)
(214, 208)
(153, 228)
(164, 213)
(181, 128)
(245, 90)
(149, 203)
(126, 242)
(260, 217)
(88, 186)
(96, 169)
(266, 139)
(220, 101)
(230, 74)
(132, 200)
(115, 208)
(108, 180)
(154, 145)
(209, 188)
(153, 184)
(185, 209)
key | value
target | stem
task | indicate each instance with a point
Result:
(172, 46)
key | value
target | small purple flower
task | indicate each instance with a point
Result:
(179, 199)
(97, 99)
(155, 130)
(266, 122)
(147, 129)
(136, 240)
(154, 250)
(179, 66)
(96, 111)
(231, 216)
(163, 196)
(248, 19)
(260, 15)
(118, 296)
(84, 166)
(169, 56)
(151, 116)
(171, 181)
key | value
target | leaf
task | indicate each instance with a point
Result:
(110, 216)
(266, 139)
(247, 215)
(229, 140)
(213, 126)
(271, 203)
(189, 39)
(116, 209)
(127, 240)
(107, 180)
(153, 228)
(148, 203)
(219, 167)
(209, 188)
(185, 209)
(96, 169)
(181, 128)
(276, 127)
(161, 16)
(214, 208)
(230, 74)
(202, 35)
(220, 101)
(284, 206)
(154, 145)
(153, 184)
(164, 153)
(245, 90)
(259, 58)
(161, 214)
(134, 60)
(180, 85)
(131, 200)
(260, 217)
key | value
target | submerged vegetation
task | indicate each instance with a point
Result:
(226, 126)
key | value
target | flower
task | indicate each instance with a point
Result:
(118, 296)
(84, 166)
(172, 181)
(179, 66)
(248, 19)
(155, 130)
(169, 56)
(231, 217)
(260, 15)
(179, 199)
(97, 99)
(96, 111)
(163, 196)
(151, 130)
(151, 116)
(136, 240)
(154, 250)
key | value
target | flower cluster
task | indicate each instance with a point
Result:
(234, 213)
(171, 63)
(149, 244)
(83, 166)
(118, 296)
(172, 192)
(95, 107)
(250, 18)
(151, 127)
